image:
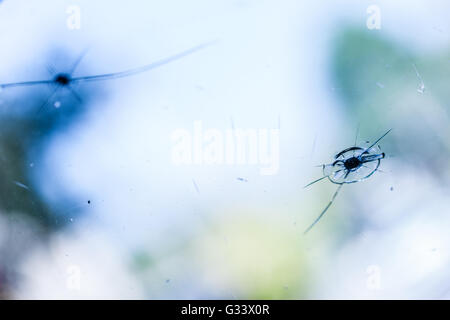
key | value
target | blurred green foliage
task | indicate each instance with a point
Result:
(384, 84)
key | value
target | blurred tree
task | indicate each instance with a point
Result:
(24, 133)
(384, 84)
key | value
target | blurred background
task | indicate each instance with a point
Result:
(92, 205)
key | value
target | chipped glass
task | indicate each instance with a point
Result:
(351, 165)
